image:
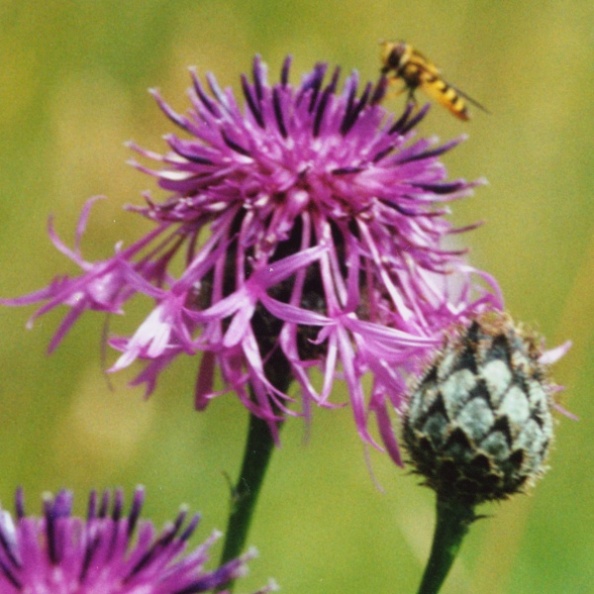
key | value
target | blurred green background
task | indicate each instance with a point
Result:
(73, 82)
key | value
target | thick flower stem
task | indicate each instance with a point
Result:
(244, 495)
(452, 524)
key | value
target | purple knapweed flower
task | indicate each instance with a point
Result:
(304, 229)
(106, 553)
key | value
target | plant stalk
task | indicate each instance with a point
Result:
(244, 494)
(452, 524)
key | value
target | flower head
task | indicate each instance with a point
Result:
(303, 229)
(107, 552)
(479, 425)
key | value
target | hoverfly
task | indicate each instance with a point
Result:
(402, 61)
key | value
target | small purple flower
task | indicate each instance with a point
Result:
(306, 229)
(107, 553)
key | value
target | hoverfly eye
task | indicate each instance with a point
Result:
(393, 61)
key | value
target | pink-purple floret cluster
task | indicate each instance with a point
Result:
(107, 552)
(297, 179)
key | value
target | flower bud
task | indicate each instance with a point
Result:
(479, 424)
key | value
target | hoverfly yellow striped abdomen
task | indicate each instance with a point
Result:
(440, 91)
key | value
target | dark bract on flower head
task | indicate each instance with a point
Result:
(311, 232)
(109, 552)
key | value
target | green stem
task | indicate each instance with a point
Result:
(244, 495)
(452, 524)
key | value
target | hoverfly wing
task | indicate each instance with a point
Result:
(470, 99)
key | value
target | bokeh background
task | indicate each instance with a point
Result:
(73, 80)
